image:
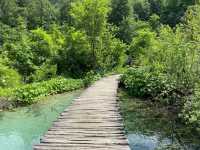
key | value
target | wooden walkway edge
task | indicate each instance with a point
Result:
(92, 122)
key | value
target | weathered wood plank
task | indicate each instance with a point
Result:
(92, 122)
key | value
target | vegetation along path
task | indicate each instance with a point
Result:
(92, 122)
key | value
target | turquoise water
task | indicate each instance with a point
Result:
(23, 127)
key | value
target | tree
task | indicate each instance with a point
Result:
(120, 11)
(75, 58)
(173, 11)
(41, 13)
(19, 50)
(91, 17)
(170, 11)
(156, 6)
(8, 12)
(154, 21)
(142, 10)
(64, 9)
(128, 29)
(120, 17)
(191, 22)
(142, 45)
(23, 3)
(8, 77)
(42, 46)
(112, 53)
(22, 57)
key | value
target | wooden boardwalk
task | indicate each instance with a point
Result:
(92, 122)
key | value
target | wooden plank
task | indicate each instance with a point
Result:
(92, 122)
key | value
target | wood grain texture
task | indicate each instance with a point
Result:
(92, 122)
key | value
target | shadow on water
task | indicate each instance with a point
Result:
(23, 127)
(151, 127)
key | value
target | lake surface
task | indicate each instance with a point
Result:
(151, 127)
(23, 127)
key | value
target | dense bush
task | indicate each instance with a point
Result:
(191, 109)
(42, 46)
(91, 77)
(6, 92)
(170, 11)
(29, 93)
(142, 82)
(9, 77)
(45, 72)
(75, 58)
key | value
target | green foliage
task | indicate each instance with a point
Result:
(154, 21)
(21, 55)
(65, 7)
(30, 93)
(40, 13)
(43, 43)
(166, 64)
(120, 11)
(42, 46)
(91, 17)
(120, 17)
(112, 52)
(45, 72)
(170, 147)
(128, 29)
(170, 11)
(6, 92)
(42, 39)
(144, 40)
(191, 23)
(174, 10)
(91, 77)
(191, 109)
(170, 53)
(75, 58)
(142, 9)
(142, 82)
(7, 34)
(57, 37)
(107, 52)
(8, 77)
(8, 12)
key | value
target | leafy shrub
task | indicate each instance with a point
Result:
(191, 109)
(75, 58)
(45, 72)
(29, 93)
(111, 54)
(8, 77)
(42, 46)
(6, 92)
(21, 55)
(142, 82)
(118, 70)
(91, 77)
